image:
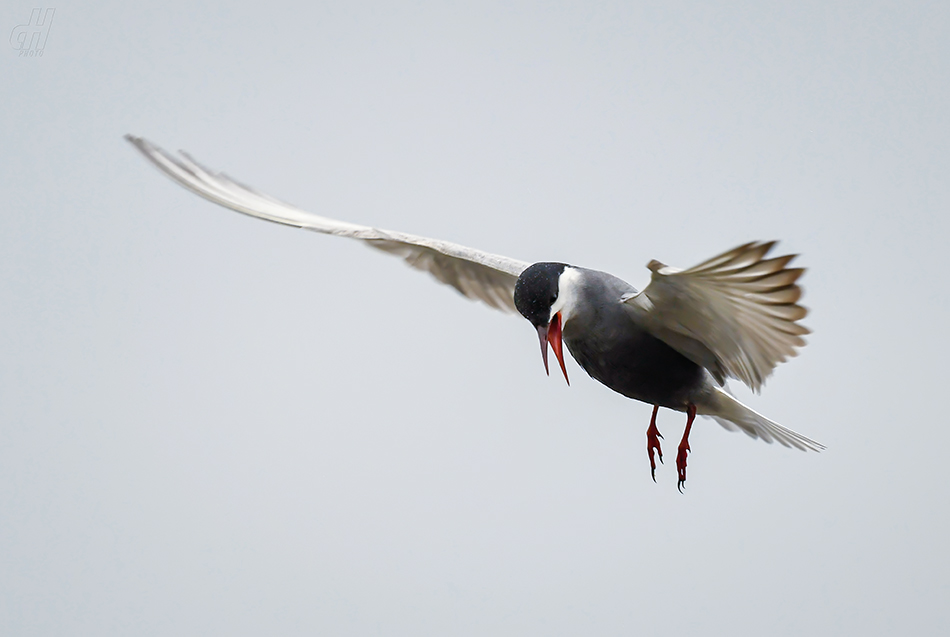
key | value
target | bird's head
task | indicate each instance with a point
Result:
(541, 297)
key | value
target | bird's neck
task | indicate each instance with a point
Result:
(569, 293)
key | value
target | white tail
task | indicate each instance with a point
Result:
(733, 415)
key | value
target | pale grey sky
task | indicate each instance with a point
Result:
(214, 425)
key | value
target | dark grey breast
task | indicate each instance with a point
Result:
(608, 343)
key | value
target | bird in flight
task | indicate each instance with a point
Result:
(671, 345)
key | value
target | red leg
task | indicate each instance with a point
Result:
(684, 447)
(653, 442)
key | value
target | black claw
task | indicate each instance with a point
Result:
(680, 486)
(653, 473)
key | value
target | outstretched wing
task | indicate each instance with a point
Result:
(735, 314)
(477, 275)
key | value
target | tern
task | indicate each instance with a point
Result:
(673, 344)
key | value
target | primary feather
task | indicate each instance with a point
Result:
(736, 314)
(487, 277)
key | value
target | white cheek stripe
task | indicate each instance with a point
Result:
(568, 294)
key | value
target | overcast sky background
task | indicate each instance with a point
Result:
(214, 425)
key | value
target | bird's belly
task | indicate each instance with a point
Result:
(638, 366)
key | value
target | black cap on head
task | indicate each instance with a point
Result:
(536, 291)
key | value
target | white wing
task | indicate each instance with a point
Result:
(478, 275)
(734, 314)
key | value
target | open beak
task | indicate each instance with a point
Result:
(552, 334)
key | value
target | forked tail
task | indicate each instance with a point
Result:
(733, 415)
